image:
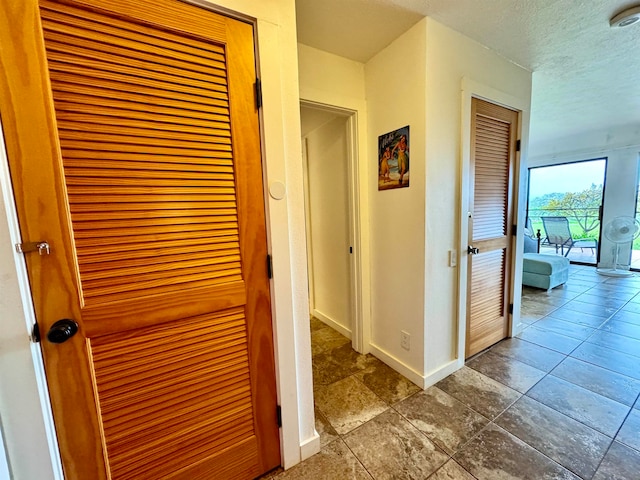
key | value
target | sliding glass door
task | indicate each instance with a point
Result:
(565, 205)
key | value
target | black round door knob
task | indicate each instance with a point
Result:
(62, 330)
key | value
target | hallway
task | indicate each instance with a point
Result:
(558, 402)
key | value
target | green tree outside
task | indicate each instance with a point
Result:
(580, 206)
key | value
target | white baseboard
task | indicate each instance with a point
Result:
(517, 329)
(310, 447)
(444, 371)
(423, 381)
(397, 365)
(332, 323)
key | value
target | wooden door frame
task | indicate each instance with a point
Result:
(472, 89)
(37, 373)
(355, 233)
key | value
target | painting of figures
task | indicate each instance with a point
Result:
(393, 159)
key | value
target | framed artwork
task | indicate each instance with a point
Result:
(393, 159)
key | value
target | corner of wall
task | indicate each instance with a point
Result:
(395, 81)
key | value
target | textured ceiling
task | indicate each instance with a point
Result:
(586, 75)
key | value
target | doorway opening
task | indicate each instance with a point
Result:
(329, 166)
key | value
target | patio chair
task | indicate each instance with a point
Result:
(558, 234)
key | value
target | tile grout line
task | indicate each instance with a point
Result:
(550, 373)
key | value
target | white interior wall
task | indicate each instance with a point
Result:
(277, 60)
(585, 144)
(328, 223)
(395, 88)
(458, 68)
(620, 187)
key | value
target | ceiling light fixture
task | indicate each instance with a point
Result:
(626, 18)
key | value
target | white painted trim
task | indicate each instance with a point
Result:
(470, 89)
(356, 334)
(399, 366)
(360, 197)
(310, 447)
(423, 381)
(327, 320)
(286, 337)
(45, 402)
(307, 223)
(442, 372)
(360, 327)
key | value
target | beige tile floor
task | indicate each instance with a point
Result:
(558, 402)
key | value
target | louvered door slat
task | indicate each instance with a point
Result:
(135, 37)
(72, 88)
(162, 166)
(85, 112)
(59, 41)
(150, 179)
(149, 403)
(155, 213)
(216, 149)
(149, 208)
(103, 247)
(72, 78)
(145, 135)
(185, 249)
(84, 101)
(135, 235)
(213, 173)
(102, 65)
(158, 68)
(178, 124)
(121, 281)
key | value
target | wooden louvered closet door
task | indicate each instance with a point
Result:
(493, 146)
(140, 164)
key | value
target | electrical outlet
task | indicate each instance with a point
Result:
(405, 340)
(453, 258)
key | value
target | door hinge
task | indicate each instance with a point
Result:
(258, 86)
(514, 230)
(517, 145)
(35, 333)
(511, 308)
(279, 415)
(269, 266)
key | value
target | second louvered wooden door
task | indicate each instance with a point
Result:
(493, 146)
(149, 190)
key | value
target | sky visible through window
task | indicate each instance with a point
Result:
(570, 177)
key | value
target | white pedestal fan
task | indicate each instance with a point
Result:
(620, 230)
